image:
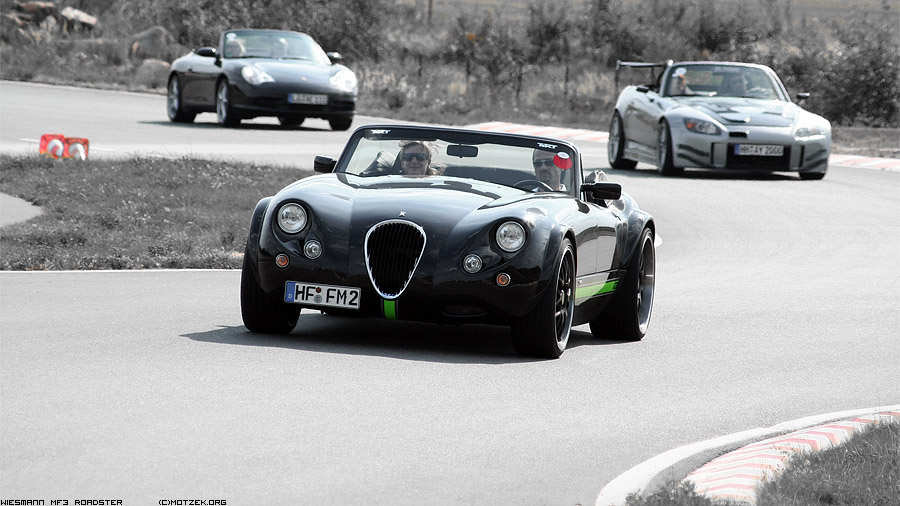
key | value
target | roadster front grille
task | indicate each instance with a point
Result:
(393, 249)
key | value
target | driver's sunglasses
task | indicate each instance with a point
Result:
(408, 157)
(540, 163)
(736, 81)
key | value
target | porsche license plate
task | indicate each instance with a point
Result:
(758, 150)
(307, 98)
(296, 292)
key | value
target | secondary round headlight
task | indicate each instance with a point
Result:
(292, 218)
(472, 263)
(510, 236)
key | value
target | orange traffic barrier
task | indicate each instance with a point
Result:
(60, 146)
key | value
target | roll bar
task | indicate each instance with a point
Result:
(642, 65)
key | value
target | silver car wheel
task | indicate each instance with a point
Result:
(613, 141)
(646, 283)
(662, 145)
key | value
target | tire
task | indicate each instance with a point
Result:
(664, 161)
(544, 332)
(627, 316)
(224, 112)
(260, 312)
(340, 124)
(812, 176)
(174, 105)
(615, 146)
(291, 121)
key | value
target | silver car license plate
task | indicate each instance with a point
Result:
(298, 292)
(758, 150)
(307, 98)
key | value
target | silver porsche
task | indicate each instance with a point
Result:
(716, 115)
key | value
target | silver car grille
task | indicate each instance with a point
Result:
(393, 249)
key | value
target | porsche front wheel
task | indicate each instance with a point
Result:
(224, 112)
(260, 312)
(615, 146)
(627, 316)
(544, 332)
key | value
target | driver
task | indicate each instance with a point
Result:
(415, 159)
(734, 85)
(546, 170)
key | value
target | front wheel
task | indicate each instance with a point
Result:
(812, 176)
(224, 112)
(615, 145)
(544, 332)
(260, 312)
(627, 316)
(665, 163)
(341, 123)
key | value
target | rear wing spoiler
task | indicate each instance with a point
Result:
(643, 65)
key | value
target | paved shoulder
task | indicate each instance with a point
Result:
(14, 210)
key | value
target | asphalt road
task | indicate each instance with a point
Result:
(776, 299)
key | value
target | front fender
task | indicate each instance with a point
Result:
(256, 222)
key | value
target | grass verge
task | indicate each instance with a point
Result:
(141, 213)
(863, 471)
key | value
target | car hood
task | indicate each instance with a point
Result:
(292, 70)
(744, 111)
(436, 203)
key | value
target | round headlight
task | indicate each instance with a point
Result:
(510, 236)
(292, 218)
(312, 249)
(472, 263)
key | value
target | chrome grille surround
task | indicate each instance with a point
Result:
(393, 249)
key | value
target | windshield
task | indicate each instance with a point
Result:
(721, 81)
(280, 45)
(527, 163)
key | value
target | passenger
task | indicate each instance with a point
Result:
(678, 84)
(546, 170)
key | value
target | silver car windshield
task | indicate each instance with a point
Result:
(548, 163)
(721, 81)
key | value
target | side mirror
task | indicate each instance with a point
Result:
(335, 57)
(324, 164)
(209, 52)
(802, 96)
(643, 88)
(603, 190)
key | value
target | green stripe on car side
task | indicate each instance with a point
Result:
(390, 309)
(586, 292)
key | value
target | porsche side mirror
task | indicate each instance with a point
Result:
(802, 96)
(324, 164)
(603, 190)
(335, 57)
(209, 52)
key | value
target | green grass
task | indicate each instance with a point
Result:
(863, 471)
(135, 214)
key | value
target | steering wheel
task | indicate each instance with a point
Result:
(533, 185)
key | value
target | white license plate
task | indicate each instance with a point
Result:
(307, 98)
(296, 292)
(758, 150)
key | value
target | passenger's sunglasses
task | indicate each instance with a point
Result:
(408, 157)
(540, 163)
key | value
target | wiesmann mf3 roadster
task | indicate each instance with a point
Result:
(454, 226)
(262, 73)
(716, 115)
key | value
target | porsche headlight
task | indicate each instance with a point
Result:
(344, 80)
(510, 236)
(255, 76)
(700, 126)
(808, 131)
(292, 218)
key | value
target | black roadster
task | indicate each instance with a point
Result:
(262, 73)
(454, 226)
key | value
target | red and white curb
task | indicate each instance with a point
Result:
(737, 475)
(542, 131)
(865, 162)
(637, 479)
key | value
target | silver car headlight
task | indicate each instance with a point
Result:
(292, 218)
(255, 76)
(700, 126)
(344, 80)
(808, 131)
(510, 236)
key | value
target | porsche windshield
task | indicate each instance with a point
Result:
(512, 161)
(721, 81)
(272, 44)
